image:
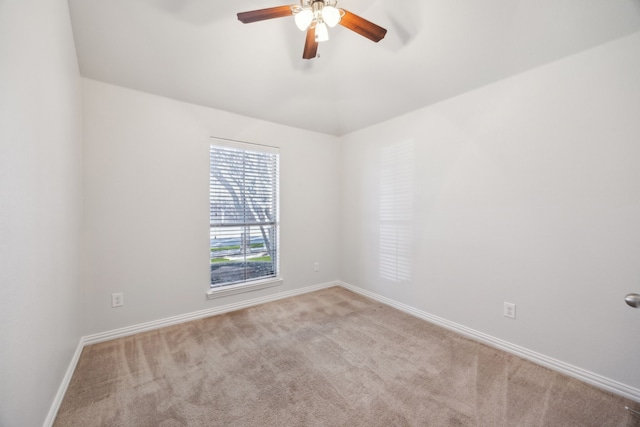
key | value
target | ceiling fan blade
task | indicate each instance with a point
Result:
(363, 27)
(263, 14)
(310, 44)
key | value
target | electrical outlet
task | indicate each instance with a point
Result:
(316, 266)
(117, 300)
(510, 310)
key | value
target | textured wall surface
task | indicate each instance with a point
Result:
(526, 191)
(40, 206)
(146, 212)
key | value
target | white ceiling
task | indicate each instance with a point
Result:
(197, 51)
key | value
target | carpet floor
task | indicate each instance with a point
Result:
(327, 358)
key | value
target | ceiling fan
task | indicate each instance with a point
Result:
(314, 16)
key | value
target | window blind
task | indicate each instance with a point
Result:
(243, 214)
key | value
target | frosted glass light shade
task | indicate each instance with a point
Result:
(303, 19)
(331, 16)
(322, 33)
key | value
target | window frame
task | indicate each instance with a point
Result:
(263, 282)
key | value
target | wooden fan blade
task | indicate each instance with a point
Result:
(363, 27)
(263, 14)
(310, 44)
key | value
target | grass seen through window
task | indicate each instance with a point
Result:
(234, 248)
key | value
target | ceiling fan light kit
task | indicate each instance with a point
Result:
(303, 19)
(316, 17)
(331, 15)
(313, 14)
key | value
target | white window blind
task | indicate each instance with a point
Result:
(243, 213)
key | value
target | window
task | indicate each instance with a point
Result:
(243, 216)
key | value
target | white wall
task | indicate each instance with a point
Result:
(527, 191)
(146, 161)
(40, 206)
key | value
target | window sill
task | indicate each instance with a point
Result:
(243, 287)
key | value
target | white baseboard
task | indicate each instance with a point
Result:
(62, 390)
(556, 365)
(156, 324)
(170, 321)
(588, 377)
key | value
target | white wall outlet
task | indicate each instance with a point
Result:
(117, 300)
(510, 310)
(316, 266)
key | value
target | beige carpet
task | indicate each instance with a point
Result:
(329, 358)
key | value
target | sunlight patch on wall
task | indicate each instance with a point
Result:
(396, 211)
